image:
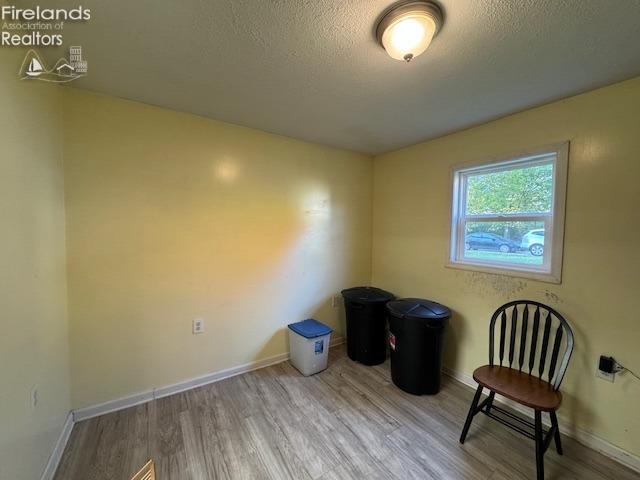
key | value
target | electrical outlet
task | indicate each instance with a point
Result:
(34, 397)
(198, 326)
(335, 301)
(609, 377)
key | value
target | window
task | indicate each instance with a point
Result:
(508, 216)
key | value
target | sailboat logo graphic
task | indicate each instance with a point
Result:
(34, 67)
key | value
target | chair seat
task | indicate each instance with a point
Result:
(521, 387)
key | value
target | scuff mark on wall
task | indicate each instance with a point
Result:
(551, 297)
(492, 284)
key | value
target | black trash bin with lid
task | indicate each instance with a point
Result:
(366, 324)
(416, 328)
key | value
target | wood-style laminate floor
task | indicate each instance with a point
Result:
(348, 422)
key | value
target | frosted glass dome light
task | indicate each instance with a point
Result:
(407, 30)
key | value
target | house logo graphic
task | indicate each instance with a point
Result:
(34, 68)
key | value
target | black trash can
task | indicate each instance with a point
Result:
(416, 329)
(366, 324)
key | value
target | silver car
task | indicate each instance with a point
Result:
(533, 241)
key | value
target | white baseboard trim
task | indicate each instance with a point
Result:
(112, 406)
(164, 391)
(583, 436)
(217, 376)
(58, 449)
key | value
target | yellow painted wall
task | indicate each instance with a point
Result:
(601, 274)
(171, 217)
(33, 320)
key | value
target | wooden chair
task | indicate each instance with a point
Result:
(526, 320)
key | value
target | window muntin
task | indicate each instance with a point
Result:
(508, 216)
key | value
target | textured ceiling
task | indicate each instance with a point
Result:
(311, 69)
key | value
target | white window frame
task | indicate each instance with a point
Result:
(551, 269)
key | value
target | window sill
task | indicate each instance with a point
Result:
(496, 270)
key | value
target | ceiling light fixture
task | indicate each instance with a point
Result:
(407, 29)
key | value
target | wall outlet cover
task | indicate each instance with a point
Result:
(34, 397)
(609, 377)
(198, 326)
(335, 301)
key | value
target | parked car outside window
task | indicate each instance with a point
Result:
(533, 241)
(490, 241)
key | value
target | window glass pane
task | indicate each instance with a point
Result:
(517, 243)
(518, 190)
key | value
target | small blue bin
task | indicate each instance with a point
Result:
(309, 344)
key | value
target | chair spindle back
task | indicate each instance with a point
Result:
(516, 315)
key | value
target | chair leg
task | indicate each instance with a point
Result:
(492, 395)
(556, 434)
(539, 446)
(470, 415)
